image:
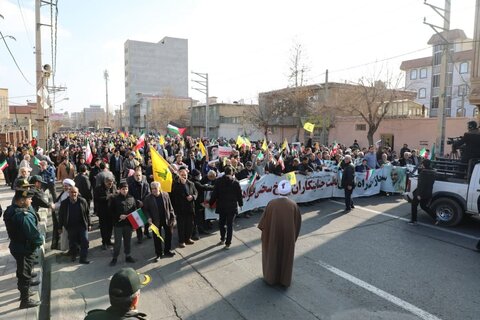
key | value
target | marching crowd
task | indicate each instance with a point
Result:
(110, 175)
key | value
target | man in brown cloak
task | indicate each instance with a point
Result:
(280, 225)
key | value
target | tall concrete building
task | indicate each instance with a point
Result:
(154, 69)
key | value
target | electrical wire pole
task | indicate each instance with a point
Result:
(204, 89)
(444, 82)
(42, 139)
(105, 75)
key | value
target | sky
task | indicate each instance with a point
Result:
(244, 46)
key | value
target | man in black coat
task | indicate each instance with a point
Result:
(199, 209)
(75, 217)
(116, 165)
(82, 182)
(183, 197)
(423, 193)
(348, 182)
(138, 187)
(227, 195)
(159, 211)
(102, 196)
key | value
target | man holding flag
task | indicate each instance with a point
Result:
(121, 206)
(159, 211)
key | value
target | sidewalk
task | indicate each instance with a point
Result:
(9, 295)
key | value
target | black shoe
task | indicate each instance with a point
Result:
(196, 238)
(34, 274)
(113, 262)
(104, 247)
(110, 244)
(84, 261)
(129, 259)
(347, 210)
(413, 223)
(29, 303)
(34, 283)
(29, 294)
(352, 207)
(73, 258)
(478, 246)
(157, 258)
(169, 254)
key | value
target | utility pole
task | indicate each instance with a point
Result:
(443, 98)
(204, 89)
(105, 74)
(42, 139)
(474, 96)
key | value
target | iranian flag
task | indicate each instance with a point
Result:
(137, 219)
(334, 149)
(140, 142)
(423, 153)
(3, 165)
(176, 130)
(369, 174)
(88, 154)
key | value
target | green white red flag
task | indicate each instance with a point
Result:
(3, 165)
(88, 154)
(140, 142)
(137, 219)
(176, 130)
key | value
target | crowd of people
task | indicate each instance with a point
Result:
(110, 175)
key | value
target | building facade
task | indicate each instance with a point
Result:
(4, 112)
(93, 116)
(154, 69)
(423, 75)
(226, 120)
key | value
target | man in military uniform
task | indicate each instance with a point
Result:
(21, 223)
(39, 199)
(124, 293)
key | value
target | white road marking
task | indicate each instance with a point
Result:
(382, 294)
(420, 223)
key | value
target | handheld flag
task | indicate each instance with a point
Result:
(161, 140)
(260, 156)
(291, 177)
(247, 143)
(88, 154)
(176, 130)
(3, 165)
(161, 172)
(308, 126)
(202, 148)
(156, 232)
(240, 141)
(264, 145)
(432, 153)
(285, 145)
(423, 153)
(36, 161)
(140, 142)
(137, 219)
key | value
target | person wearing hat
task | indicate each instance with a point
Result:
(423, 193)
(124, 294)
(57, 229)
(280, 225)
(21, 224)
(39, 199)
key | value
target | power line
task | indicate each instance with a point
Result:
(24, 24)
(14, 60)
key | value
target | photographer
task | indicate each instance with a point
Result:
(470, 142)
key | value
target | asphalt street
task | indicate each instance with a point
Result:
(367, 264)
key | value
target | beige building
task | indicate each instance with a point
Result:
(226, 120)
(4, 114)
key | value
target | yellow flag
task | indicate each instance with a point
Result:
(156, 231)
(291, 178)
(240, 141)
(161, 140)
(308, 126)
(248, 143)
(202, 148)
(264, 145)
(138, 155)
(161, 173)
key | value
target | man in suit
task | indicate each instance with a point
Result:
(116, 165)
(159, 211)
(348, 182)
(183, 196)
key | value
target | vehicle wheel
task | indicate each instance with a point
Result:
(448, 212)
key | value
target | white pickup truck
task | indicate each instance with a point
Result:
(452, 198)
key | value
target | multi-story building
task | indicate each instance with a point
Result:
(93, 116)
(226, 120)
(423, 75)
(154, 69)
(4, 114)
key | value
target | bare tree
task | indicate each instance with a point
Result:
(371, 99)
(298, 67)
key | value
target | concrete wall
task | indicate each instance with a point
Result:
(417, 133)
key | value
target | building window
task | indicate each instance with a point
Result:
(464, 67)
(436, 81)
(434, 103)
(422, 93)
(413, 74)
(423, 73)
(462, 90)
(361, 127)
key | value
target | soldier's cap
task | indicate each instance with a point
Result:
(24, 194)
(36, 178)
(126, 282)
(23, 183)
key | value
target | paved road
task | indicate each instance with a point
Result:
(368, 264)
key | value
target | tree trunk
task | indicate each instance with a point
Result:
(370, 138)
(299, 125)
